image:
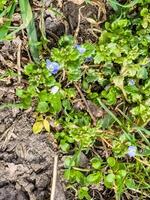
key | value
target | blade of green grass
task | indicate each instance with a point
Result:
(128, 135)
(140, 130)
(144, 137)
(5, 27)
(143, 132)
(28, 21)
(6, 11)
(109, 112)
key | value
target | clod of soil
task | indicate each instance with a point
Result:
(26, 160)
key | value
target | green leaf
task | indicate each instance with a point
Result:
(29, 69)
(119, 184)
(26, 101)
(96, 162)
(142, 73)
(122, 173)
(111, 95)
(44, 96)
(94, 178)
(64, 146)
(111, 161)
(74, 74)
(66, 40)
(98, 58)
(71, 92)
(37, 127)
(130, 183)
(107, 121)
(69, 162)
(110, 178)
(83, 193)
(74, 176)
(2, 3)
(66, 104)
(138, 110)
(144, 12)
(19, 92)
(67, 174)
(79, 177)
(42, 107)
(55, 102)
(118, 81)
(31, 90)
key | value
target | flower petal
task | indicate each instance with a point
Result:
(54, 89)
(131, 82)
(53, 67)
(80, 48)
(132, 151)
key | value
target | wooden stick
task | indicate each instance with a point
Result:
(54, 178)
(18, 60)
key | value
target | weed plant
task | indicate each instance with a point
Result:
(113, 76)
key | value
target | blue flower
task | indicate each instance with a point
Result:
(54, 89)
(131, 82)
(80, 48)
(53, 67)
(132, 151)
(89, 59)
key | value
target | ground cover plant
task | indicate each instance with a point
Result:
(98, 97)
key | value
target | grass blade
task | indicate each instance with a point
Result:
(109, 112)
(28, 21)
(5, 27)
(129, 136)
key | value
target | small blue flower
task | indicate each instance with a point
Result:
(89, 59)
(54, 89)
(131, 82)
(80, 48)
(53, 67)
(132, 151)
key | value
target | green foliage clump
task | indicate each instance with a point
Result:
(111, 76)
(123, 51)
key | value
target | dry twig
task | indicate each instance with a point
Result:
(86, 104)
(79, 21)
(18, 60)
(54, 178)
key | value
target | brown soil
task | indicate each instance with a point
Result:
(26, 160)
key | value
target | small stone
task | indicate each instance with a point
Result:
(83, 162)
(36, 167)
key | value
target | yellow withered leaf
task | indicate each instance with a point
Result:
(46, 125)
(37, 127)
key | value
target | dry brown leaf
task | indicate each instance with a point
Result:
(79, 2)
(91, 21)
(96, 111)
